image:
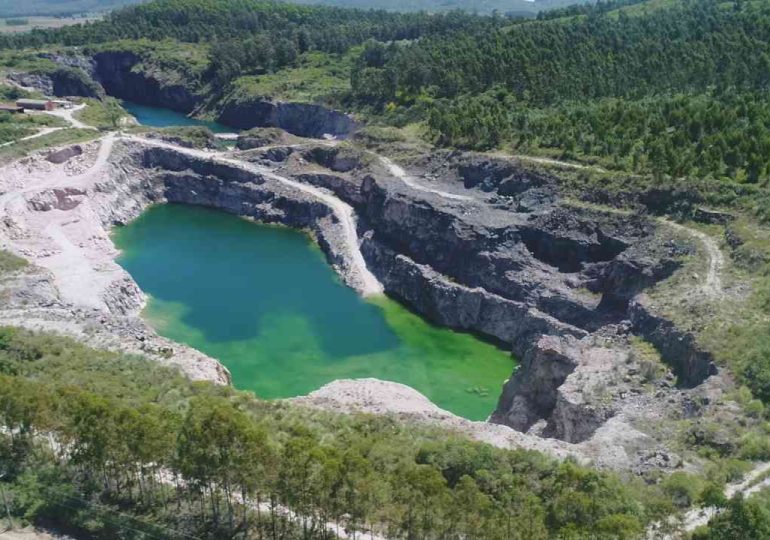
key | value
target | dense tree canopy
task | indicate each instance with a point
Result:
(322, 28)
(88, 433)
(677, 91)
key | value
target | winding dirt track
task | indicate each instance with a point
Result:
(69, 116)
(698, 517)
(712, 285)
(368, 283)
(413, 183)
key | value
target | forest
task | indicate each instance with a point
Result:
(590, 86)
(581, 83)
(97, 443)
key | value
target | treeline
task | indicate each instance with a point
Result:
(309, 27)
(58, 8)
(585, 9)
(707, 135)
(96, 442)
(251, 36)
(689, 46)
(679, 90)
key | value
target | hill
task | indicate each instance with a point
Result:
(12, 8)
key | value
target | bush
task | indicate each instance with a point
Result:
(742, 519)
(713, 495)
(683, 488)
(756, 370)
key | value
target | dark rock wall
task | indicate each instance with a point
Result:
(512, 279)
(303, 119)
(691, 364)
(115, 71)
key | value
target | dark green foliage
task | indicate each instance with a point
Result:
(306, 27)
(120, 424)
(249, 37)
(704, 135)
(10, 262)
(690, 45)
(678, 91)
(756, 369)
(59, 7)
(747, 519)
(522, 7)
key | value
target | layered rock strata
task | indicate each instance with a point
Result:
(471, 242)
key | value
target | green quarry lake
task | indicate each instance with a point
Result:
(159, 117)
(263, 300)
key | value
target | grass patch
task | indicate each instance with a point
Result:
(62, 137)
(106, 114)
(16, 126)
(171, 61)
(24, 60)
(10, 263)
(318, 78)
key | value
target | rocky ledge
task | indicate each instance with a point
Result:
(473, 243)
(126, 75)
(489, 246)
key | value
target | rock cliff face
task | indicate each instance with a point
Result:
(471, 242)
(61, 82)
(691, 364)
(303, 119)
(150, 174)
(484, 245)
(118, 74)
(125, 75)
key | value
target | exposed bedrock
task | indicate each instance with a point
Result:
(303, 119)
(117, 74)
(690, 363)
(483, 245)
(458, 306)
(558, 260)
(64, 81)
(558, 284)
(542, 391)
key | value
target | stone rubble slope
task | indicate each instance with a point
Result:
(472, 242)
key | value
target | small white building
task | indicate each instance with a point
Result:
(63, 103)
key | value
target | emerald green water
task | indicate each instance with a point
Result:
(160, 117)
(263, 301)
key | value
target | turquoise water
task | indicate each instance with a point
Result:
(264, 301)
(158, 117)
